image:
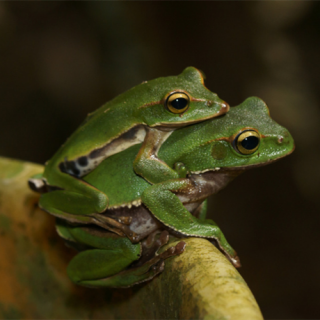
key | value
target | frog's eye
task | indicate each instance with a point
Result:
(177, 102)
(247, 142)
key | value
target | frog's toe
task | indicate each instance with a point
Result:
(163, 239)
(235, 260)
(154, 241)
(179, 248)
(173, 251)
(157, 268)
(151, 245)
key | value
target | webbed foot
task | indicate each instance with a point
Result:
(151, 245)
(145, 272)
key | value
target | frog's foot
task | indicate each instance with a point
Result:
(131, 276)
(172, 251)
(40, 185)
(156, 240)
(151, 245)
(155, 269)
(235, 260)
(121, 225)
(229, 252)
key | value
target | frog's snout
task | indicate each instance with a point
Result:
(225, 105)
(284, 138)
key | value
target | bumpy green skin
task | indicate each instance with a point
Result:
(201, 147)
(142, 105)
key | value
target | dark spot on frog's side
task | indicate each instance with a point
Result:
(83, 161)
(130, 134)
(70, 168)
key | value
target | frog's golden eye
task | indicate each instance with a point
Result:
(177, 102)
(247, 142)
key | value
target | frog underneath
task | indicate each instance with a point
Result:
(212, 153)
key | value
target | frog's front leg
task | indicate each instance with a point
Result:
(148, 165)
(79, 202)
(74, 196)
(162, 201)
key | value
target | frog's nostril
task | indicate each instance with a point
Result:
(280, 139)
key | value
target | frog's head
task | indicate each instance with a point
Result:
(245, 137)
(177, 101)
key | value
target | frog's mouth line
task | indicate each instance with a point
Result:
(250, 166)
(242, 168)
(258, 164)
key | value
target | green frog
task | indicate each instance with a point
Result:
(146, 116)
(120, 248)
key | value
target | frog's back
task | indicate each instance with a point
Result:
(100, 127)
(112, 119)
(115, 119)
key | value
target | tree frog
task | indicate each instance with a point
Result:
(147, 114)
(211, 153)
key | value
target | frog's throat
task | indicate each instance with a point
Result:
(243, 167)
(250, 166)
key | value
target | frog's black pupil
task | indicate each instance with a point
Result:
(250, 142)
(179, 103)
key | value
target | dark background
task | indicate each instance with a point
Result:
(61, 60)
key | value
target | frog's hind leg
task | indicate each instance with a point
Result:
(92, 265)
(131, 276)
(106, 254)
(151, 245)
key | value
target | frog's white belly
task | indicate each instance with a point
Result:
(143, 222)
